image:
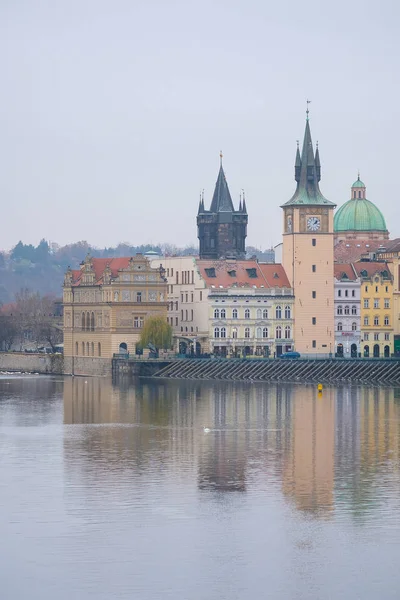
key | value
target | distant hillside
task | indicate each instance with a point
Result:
(41, 268)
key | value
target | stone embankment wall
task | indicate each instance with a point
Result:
(87, 365)
(32, 363)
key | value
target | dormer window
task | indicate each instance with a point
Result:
(210, 272)
(232, 273)
(252, 273)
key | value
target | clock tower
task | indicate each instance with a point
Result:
(308, 254)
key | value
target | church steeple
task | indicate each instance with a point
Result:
(308, 174)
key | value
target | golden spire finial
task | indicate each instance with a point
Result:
(220, 157)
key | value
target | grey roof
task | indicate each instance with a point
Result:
(222, 201)
(307, 191)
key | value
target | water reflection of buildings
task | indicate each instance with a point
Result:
(309, 466)
(322, 451)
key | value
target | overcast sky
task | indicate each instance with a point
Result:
(113, 112)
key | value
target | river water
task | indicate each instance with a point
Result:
(116, 491)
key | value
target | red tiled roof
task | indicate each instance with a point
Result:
(230, 272)
(392, 245)
(371, 268)
(346, 269)
(347, 251)
(99, 264)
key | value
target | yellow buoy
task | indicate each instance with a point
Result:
(320, 387)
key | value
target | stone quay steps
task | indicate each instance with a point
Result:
(367, 371)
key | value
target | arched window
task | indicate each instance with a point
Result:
(278, 312)
(347, 310)
(354, 310)
(359, 194)
(265, 332)
(259, 313)
(265, 313)
(87, 348)
(354, 326)
(340, 326)
(287, 312)
(234, 313)
(278, 332)
(287, 332)
(92, 322)
(83, 348)
(87, 321)
(216, 332)
(99, 349)
(92, 348)
(247, 313)
(354, 194)
(216, 313)
(76, 348)
(366, 351)
(83, 320)
(376, 320)
(223, 332)
(340, 310)
(258, 332)
(223, 313)
(386, 320)
(234, 333)
(247, 332)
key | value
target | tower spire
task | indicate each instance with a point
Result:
(221, 201)
(308, 172)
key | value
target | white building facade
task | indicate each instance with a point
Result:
(347, 312)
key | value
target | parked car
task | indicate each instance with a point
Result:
(290, 355)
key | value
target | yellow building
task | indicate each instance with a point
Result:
(106, 303)
(376, 308)
(308, 254)
(391, 253)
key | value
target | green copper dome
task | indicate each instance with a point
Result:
(358, 184)
(359, 214)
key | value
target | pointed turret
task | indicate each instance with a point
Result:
(317, 164)
(244, 209)
(297, 166)
(308, 174)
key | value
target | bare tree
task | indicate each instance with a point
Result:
(36, 319)
(8, 332)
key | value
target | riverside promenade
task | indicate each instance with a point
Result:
(359, 371)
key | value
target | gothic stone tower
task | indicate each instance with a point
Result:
(222, 230)
(308, 254)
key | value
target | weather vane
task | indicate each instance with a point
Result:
(308, 110)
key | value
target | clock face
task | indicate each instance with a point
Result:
(313, 223)
(289, 224)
